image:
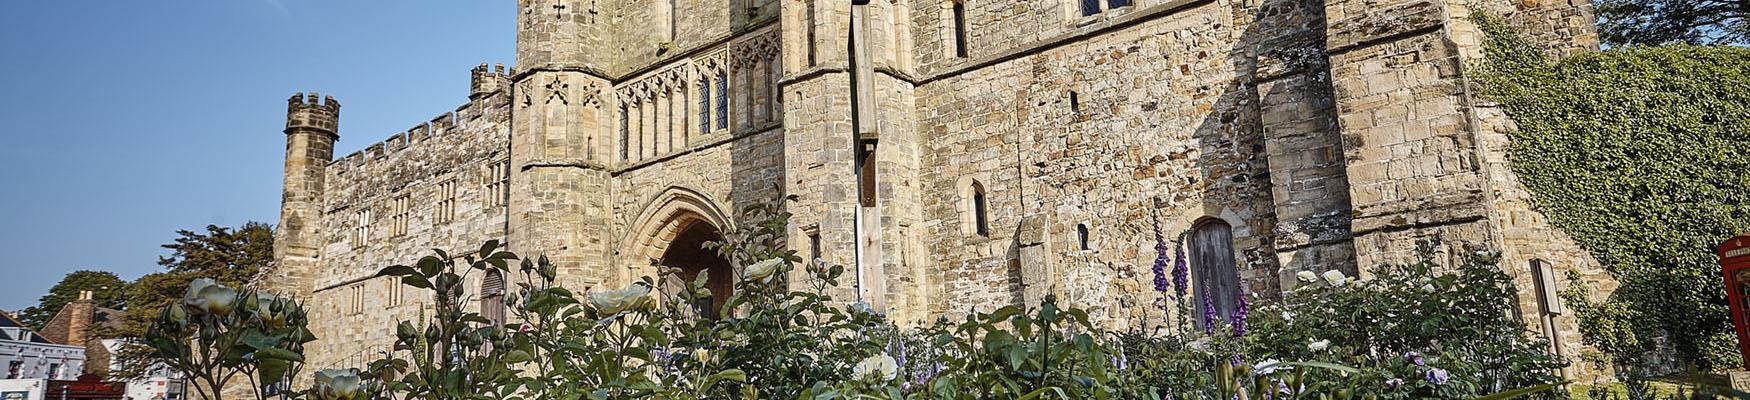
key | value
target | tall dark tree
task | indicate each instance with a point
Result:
(1706, 22)
(106, 289)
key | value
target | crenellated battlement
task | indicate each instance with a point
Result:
(487, 81)
(312, 111)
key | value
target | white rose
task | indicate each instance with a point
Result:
(1319, 345)
(763, 271)
(878, 368)
(1428, 288)
(635, 297)
(1307, 276)
(1335, 278)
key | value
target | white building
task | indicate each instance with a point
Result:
(26, 355)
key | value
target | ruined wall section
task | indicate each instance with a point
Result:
(1427, 157)
(442, 178)
(1159, 128)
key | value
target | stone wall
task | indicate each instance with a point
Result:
(1330, 134)
(448, 162)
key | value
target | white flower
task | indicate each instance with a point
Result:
(209, 297)
(1335, 278)
(1267, 367)
(1287, 316)
(1428, 288)
(337, 384)
(1307, 276)
(763, 271)
(610, 303)
(1319, 345)
(878, 368)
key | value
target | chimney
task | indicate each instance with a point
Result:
(79, 327)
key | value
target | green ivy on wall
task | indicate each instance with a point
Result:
(1642, 154)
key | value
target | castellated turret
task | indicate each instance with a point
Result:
(312, 126)
(314, 113)
(486, 81)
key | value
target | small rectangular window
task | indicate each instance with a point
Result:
(1112, 4)
(361, 231)
(399, 210)
(1090, 7)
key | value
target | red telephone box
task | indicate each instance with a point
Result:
(1735, 265)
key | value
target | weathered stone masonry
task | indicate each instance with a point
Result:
(1317, 134)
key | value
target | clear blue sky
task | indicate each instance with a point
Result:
(124, 121)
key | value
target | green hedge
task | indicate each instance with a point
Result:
(1642, 154)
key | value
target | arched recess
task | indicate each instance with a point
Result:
(672, 231)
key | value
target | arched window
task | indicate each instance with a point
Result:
(1216, 276)
(980, 220)
(492, 297)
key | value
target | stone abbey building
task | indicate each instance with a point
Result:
(1020, 148)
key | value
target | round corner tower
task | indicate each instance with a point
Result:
(312, 127)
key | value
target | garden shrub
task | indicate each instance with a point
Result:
(1412, 332)
(1639, 154)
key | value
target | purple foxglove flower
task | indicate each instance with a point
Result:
(1181, 278)
(1160, 266)
(1239, 317)
(1438, 376)
(1208, 316)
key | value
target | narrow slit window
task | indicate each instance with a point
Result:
(959, 29)
(808, 22)
(981, 222)
(1075, 102)
(1082, 236)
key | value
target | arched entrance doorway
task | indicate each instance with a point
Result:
(687, 253)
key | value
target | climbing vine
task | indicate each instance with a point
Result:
(1642, 154)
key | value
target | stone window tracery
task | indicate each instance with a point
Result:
(445, 212)
(497, 184)
(399, 210)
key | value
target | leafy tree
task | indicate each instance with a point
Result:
(1624, 22)
(229, 256)
(105, 287)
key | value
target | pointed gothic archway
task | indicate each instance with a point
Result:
(672, 233)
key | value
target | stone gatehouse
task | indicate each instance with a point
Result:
(1020, 148)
